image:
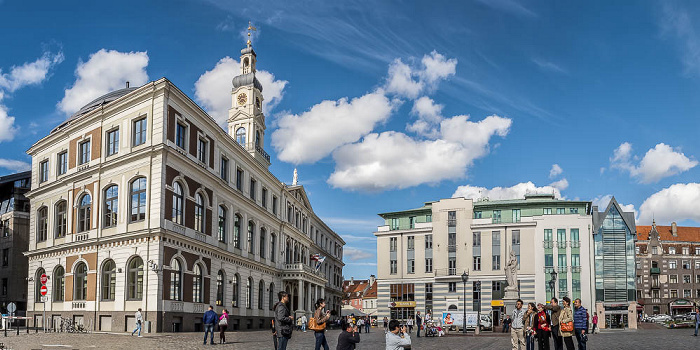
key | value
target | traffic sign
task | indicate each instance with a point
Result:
(44, 278)
(11, 307)
(44, 298)
(44, 290)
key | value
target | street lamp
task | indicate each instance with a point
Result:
(465, 277)
(552, 282)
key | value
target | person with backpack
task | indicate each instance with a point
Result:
(318, 324)
(284, 322)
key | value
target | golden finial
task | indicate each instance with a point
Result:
(250, 28)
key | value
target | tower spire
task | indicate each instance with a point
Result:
(250, 28)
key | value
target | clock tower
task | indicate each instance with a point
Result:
(246, 121)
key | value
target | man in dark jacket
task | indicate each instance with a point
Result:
(555, 310)
(348, 338)
(209, 320)
(580, 324)
(284, 323)
(419, 322)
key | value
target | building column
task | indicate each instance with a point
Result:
(301, 295)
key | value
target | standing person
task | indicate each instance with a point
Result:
(303, 322)
(697, 320)
(409, 323)
(565, 317)
(397, 338)
(209, 320)
(580, 324)
(529, 324)
(274, 332)
(368, 324)
(543, 327)
(386, 324)
(348, 338)
(517, 338)
(360, 323)
(284, 322)
(298, 323)
(506, 324)
(223, 325)
(419, 323)
(139, 320)
(321, 318)
(555, 310)
(595, 322)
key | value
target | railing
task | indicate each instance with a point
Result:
(562, 269)
(548, 269)
(548, 244)
(575, 244)
(576, 269)
(496, 220)
(199, 308)
(655, 300)
(80, 236)
(78, 305)
(655, 270)
(262, 152)
(177, 306)
(451, 222)
(561, 244)
(452, 248)
(452, 271)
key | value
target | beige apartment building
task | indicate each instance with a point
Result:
(140, 200)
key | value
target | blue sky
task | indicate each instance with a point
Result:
(385, 105)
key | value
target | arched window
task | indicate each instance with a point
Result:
(249, 294)
(111, 206)
(178, 203)
(288, 253)
(42, 224)
(261, 291)
(199, 213)
(273, 251)
(240, 136)
(109, 279)
(84, 213)
(220, 278)
(59, 281)
(222, 224)
(236, 290)
(262, 243)
(296, 253)
(237, 232)
(175, 280)
(257, 138)
(80, 281)
(37, 284)
(271, 296)
(251, 237)
(197, 282)
(61, 219)
(138, 199)
(134, 279)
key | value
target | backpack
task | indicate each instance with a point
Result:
(315, 326)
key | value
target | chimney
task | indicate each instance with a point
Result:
(352, 280)
(674, 229)
(127, 84)
(372, 279)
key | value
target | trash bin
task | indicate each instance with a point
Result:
(146, 328)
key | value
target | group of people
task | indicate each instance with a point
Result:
(541, 322)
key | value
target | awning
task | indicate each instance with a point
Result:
(348, 312)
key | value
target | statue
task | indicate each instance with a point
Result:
(296, 177)
(512, 272)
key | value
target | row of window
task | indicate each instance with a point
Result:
(137, 210)
(671, 250)
(496, 215)
(138, 137)
(673, 264)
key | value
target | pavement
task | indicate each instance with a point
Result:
(648, 338)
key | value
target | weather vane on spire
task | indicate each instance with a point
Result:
(250, 28)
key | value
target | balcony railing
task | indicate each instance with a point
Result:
(575, 244)
(561, 244)
(575, 269)
(78, 305)
(562, 269)
(452, 248)
(452, 271)
(655, 270)
(548, 269)
(262, 152)
(548, 244)
(496, 220)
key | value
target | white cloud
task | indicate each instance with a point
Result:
(213, 89)
(7, 123)
(677, 21)
(406, 81)
(30, 73)
(603, 201)
(314, 134)
(14, 165)
(354, 254)
(395, 160)
(560, 185)
(104, 71)
(549, 66)
(555, 171)
(517, 191)
(428, 113)
(659, 162)
(675, 203)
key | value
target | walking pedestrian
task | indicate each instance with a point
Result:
(274, 333)
(348, 338)
(506, 324)
(284, 322)
(368, 324)
(209, 320)
(595, 323)
(543, 327)
(580, 324)
(409, 323)
(517, 338)
(223, 325)
(566, 324)
(419, 323)
(697, 320)
(321, 318)
(555, 311)
(139, 320)
(397, 338)
(530, 328)
(386, 324)
(303, 322)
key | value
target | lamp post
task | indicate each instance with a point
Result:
(552, 282)
(465, 277)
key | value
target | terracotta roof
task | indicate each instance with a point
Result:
(684, 233)
(358, 286)
(371, 292)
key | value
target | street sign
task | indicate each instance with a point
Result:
(11, 307)
(44, 290)
(44, 298)
(44, 278)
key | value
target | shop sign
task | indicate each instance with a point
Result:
(402, 304)
(496, 302)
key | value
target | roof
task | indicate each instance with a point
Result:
(247, 79)
(371, 293)
(96, 103)
(684, 233)
(14, 177)
(428, 206)
(351, 291)
(599, 216)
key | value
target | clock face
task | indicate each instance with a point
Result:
(242, 98)
(257, 102)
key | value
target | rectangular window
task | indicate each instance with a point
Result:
(477, 263)
(274, 204)
(452, 287)
(561, 235)
(548, 235)
(428, 241)
(562, 260)
(516, 215)
(476, 236)
(654, 250)
(687, 293)
(139, 132)
(84, 155)
(496, 290)
(4, 286)
(5, 256)
(202, 151)
(674, 293)
(697, 251)
(686, 279)
(496, 250)
(393, 267)
(181, 136)
(673, 279)
(411, 266)
(574, 235)
(112, 142)
(452, 242)
(392, 244)
(411, 222)
(477, 214)
(44, 171)
(452, 265)
(496, 216)
(672, 264)
(686, 251)
(476, 296)
(263, 198)
(548, 260)
(516, 245)
(62, 163)
(547, 211)
(252, 188)
(411, 242)
(224, 169)
(394, 224)
(239, 179)
(575, 260)
(429, 218)
(686, 265)
(573, 210)
(428, 265)
(561, 211)
(672, 250)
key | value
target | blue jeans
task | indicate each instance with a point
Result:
(696, 328)
(367, 326)
(581, 343)
(530, 342)
(209, 328)
(282, 343)
(320, 340)
(303, 326)
(138, 328)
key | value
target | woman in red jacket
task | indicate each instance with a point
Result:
(543, 327)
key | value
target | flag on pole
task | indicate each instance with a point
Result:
(319, 260)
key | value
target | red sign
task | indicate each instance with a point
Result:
(44, 290)
(44, 278)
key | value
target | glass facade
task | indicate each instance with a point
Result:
(614, 260)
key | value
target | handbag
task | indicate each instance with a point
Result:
(286, 332)
(314, 326)
(567, 326)
(223, 322)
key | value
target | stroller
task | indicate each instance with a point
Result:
(431, 330)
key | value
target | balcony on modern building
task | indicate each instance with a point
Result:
(575, 244)
(561, 244)
(575, 269)
(525, 221)
(655, 270)
(448, 273)
(418, 226)
(548, 244)
(562, 269)
(548, 269)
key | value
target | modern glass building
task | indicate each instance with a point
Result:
(614, 235)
